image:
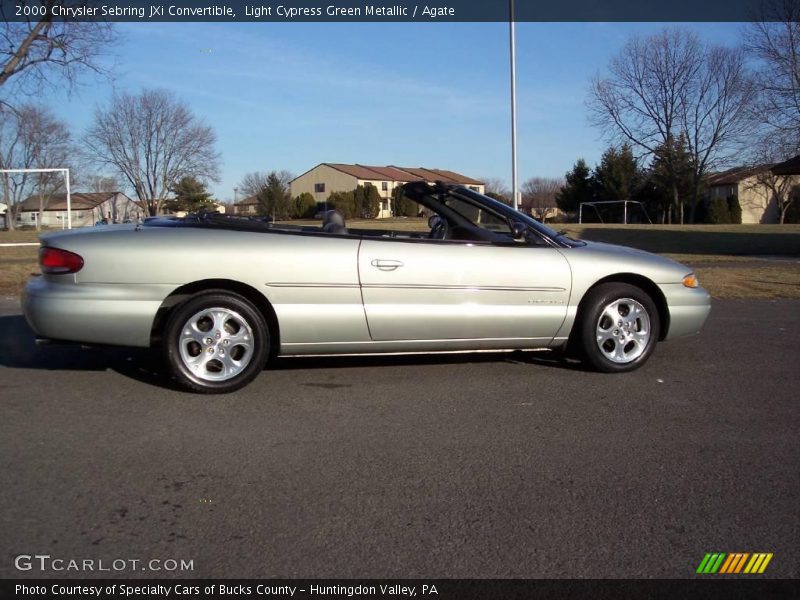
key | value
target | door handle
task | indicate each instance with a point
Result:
(386, 265)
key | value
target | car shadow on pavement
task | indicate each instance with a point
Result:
(540, 357)
(19, 350)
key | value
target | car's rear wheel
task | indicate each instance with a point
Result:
(620, 327)
(216, 342)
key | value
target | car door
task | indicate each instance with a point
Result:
(445, 290)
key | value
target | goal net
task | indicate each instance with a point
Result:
(613, 211)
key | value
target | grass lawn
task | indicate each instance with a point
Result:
(13, 237)
(16, 265)
(724, 256)
(695, 239)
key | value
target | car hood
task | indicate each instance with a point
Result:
(611, 258)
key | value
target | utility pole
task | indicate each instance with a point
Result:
(513, 52)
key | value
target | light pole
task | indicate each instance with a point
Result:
(513, 52)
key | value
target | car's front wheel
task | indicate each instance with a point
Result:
(216, 342)
(620, 327)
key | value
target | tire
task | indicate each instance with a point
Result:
(216, 342)
(619, 327)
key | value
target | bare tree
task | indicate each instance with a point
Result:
(55, 149)
(780, 188)
(31, 138)
(252, 184)
(496, 188)
(715, 113)
(36, 54)
(669, 87)
(539, 196)
(152, 140)
(774, 41)
(102, 183)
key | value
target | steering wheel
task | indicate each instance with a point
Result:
(438, 227)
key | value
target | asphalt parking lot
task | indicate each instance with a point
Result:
(480, 465)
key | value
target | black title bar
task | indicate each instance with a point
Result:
(390, 11)
(374, 589)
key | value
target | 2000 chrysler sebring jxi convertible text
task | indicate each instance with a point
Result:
(223, 294)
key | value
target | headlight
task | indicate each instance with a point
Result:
(690, 281)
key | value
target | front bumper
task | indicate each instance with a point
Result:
(58, 308)
(688, 309)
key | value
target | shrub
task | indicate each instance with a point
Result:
(401, 205)
(701, 212)
(344, 202)
(304, 206)
(718, 211)
(734, 210)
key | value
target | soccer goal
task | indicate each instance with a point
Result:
(65, 172)
(629, 211)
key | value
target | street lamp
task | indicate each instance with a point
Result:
(513, 52)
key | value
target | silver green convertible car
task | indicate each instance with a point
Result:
(221, 295)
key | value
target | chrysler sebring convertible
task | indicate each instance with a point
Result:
(221, 295)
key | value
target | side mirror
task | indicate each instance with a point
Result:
(434, 221)
(519, 231)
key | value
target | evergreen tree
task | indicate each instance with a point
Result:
(718, 211)
(274, 199)
(618, 176)
(577, 189)
(190, 196)
(304, 206)
(401, 205)
(344, 202)
(670, 177)
(372, 203)
(734, 210)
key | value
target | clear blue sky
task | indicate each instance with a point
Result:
(289, 96)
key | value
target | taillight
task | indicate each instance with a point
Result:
(55, 261)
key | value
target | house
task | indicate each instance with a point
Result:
(248, 206)
(87, 208)
(749, 185)
(789, 167)
(214, 207)
(336, 177)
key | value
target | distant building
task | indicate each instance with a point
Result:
(747, 184)
(217, 207)
(336, 177)
(789, 167)
(248, 206)
(87, 208)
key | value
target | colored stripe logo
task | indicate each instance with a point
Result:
(734, 563)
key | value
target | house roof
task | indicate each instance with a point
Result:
(245, 201)
(395, 173)
(789, 167)
(78, 200)
(735, 175)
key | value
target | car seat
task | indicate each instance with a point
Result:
(333, 222)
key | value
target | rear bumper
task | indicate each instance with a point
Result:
(92, 313)
(688, 309)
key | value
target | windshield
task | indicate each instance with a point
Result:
(508, 212)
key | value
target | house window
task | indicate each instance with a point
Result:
(319, 188)
(475, 188)
(385, 186)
